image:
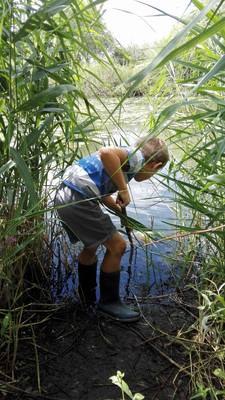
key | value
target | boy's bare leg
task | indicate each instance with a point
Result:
(115, 248)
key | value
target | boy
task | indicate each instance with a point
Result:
(89, 182)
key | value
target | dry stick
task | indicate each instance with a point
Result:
(177, 236)
(7, 376)
(37, 360)
(13, 389)
(103, 336)
(181, 235)
(175, 339)
(151, 339)
(16, 342)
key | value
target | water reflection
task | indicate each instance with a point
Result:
(146, 270)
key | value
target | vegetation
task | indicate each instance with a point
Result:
(49, 50)
(44, 117)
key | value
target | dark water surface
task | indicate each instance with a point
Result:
(146, 270)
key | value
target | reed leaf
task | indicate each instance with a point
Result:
(6, 167)
(169, 52)
(36, 20)
(25, 174)
(211, 14)
(217, 68)
(217, 179)
(46, 95)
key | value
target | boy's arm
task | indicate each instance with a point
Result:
(112, 159)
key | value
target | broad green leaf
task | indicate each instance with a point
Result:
(219, 179)
(219, 373)
(218, 67)
(221, 299)
(25, 174)
(207, 33)
(7, 320)
(192, 65)
(45, 96)
(7, 166)
(34, 136)
(166, 115)
(138, 396)
(42, 71)
(52, 110)
(118, 381)
(37, 19)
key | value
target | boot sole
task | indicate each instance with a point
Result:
(106, 315)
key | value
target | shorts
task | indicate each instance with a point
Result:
(84, 220)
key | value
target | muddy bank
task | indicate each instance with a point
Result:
(72, 354)
(76, 353)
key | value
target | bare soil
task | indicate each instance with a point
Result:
(76, 353)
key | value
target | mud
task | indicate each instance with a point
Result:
(72, 354)
(78, 352)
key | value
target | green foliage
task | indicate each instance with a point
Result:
(45, 119)
(193, 122)
(102, 80)
(53, 59)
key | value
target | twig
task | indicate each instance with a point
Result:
(103, 336)
(14, 389)
(37, 360)
(151, 339)
(181, 235)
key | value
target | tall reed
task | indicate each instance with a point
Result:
(45, 116)
(194, 122)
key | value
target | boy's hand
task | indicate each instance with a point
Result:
(123, 198)
(111, 203)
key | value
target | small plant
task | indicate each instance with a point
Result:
(118, 381)
(213, 314)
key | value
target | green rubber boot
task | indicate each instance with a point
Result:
(110, 303)
(87, 284)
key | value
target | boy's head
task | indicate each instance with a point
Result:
(155, 154)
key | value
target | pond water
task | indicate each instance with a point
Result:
(148, 268)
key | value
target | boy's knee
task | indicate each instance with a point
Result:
(116, 245)
(90, 251)
(88, 255)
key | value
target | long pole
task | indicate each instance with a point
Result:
(128, 230)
